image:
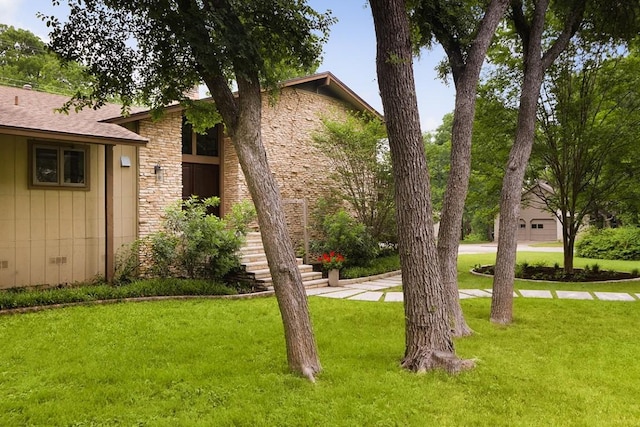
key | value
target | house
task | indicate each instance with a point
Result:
(536, 222)
(74, 188)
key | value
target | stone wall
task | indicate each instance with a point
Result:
(301, 170)
(157, 191)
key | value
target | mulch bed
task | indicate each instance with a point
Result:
(558, 274)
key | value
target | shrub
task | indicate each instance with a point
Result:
(344, 234)
(382, 265)
(64, 294)
(610, 243)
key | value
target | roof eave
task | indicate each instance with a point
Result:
(71, 137)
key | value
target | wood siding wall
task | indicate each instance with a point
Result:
(54, 236)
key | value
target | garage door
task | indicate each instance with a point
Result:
(543, 230)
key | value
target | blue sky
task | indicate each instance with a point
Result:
(349, 54)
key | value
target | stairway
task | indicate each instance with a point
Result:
(254, 261)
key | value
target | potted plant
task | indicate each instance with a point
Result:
(332, 262)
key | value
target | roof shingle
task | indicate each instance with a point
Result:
(23, 110)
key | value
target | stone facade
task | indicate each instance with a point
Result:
(156, 191)
(301, 170)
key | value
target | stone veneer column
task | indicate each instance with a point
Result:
(301, 170)
(156, 192)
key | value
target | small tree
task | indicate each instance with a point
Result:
(359, 153)
(589, 115)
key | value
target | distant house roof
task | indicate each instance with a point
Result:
(30, 113)
(322, 83)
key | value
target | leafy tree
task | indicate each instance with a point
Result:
(358, 150)
(589, 114)
(544, 29)
(465, 30)
(25, 59)
(156, 51)
(428, 340)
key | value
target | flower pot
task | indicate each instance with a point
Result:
(334, 277)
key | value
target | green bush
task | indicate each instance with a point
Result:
(378, 266)
(64, 294)
(347, 236)
(610, 243)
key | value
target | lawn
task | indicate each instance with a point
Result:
(219, 362)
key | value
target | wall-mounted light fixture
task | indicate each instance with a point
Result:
(157, 169)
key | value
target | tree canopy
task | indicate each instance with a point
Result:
(25, 59)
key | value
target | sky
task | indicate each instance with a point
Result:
(349, 54)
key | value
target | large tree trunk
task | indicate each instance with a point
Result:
(302, 352)
(535, 65)
(502, 300)
(427, 332)
(458, 181)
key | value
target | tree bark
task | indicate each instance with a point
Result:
(428, 343)
(535, 65)
(246, 135)
(466, 81)
(510, 197)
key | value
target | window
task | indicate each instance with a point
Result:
(522, 225)
(538, 226)
(206, 144)
(58, 165)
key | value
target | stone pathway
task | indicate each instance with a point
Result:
(373, 290)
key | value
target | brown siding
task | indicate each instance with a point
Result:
(51, 236)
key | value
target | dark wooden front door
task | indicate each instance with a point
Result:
(202, 180)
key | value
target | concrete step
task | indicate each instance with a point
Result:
(248, 258)
(309, 284)
(311, 275)
(265, 273)
(252, 249)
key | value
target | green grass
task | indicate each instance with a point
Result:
(213, 362)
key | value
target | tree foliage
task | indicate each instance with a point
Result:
(359, 153)
(588, 116)
(156, 52)
(25, 59)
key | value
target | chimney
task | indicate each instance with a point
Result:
(193, 93)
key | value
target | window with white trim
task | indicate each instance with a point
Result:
(59, 165)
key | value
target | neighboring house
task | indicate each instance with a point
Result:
(536, 222)
(74, 188)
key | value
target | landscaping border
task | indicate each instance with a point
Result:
(635, 279)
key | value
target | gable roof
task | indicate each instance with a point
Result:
(322, 83)
(31, 113)
(327, 84)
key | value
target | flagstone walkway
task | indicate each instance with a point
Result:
(374, 290)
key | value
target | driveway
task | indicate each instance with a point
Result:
(487, 248)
